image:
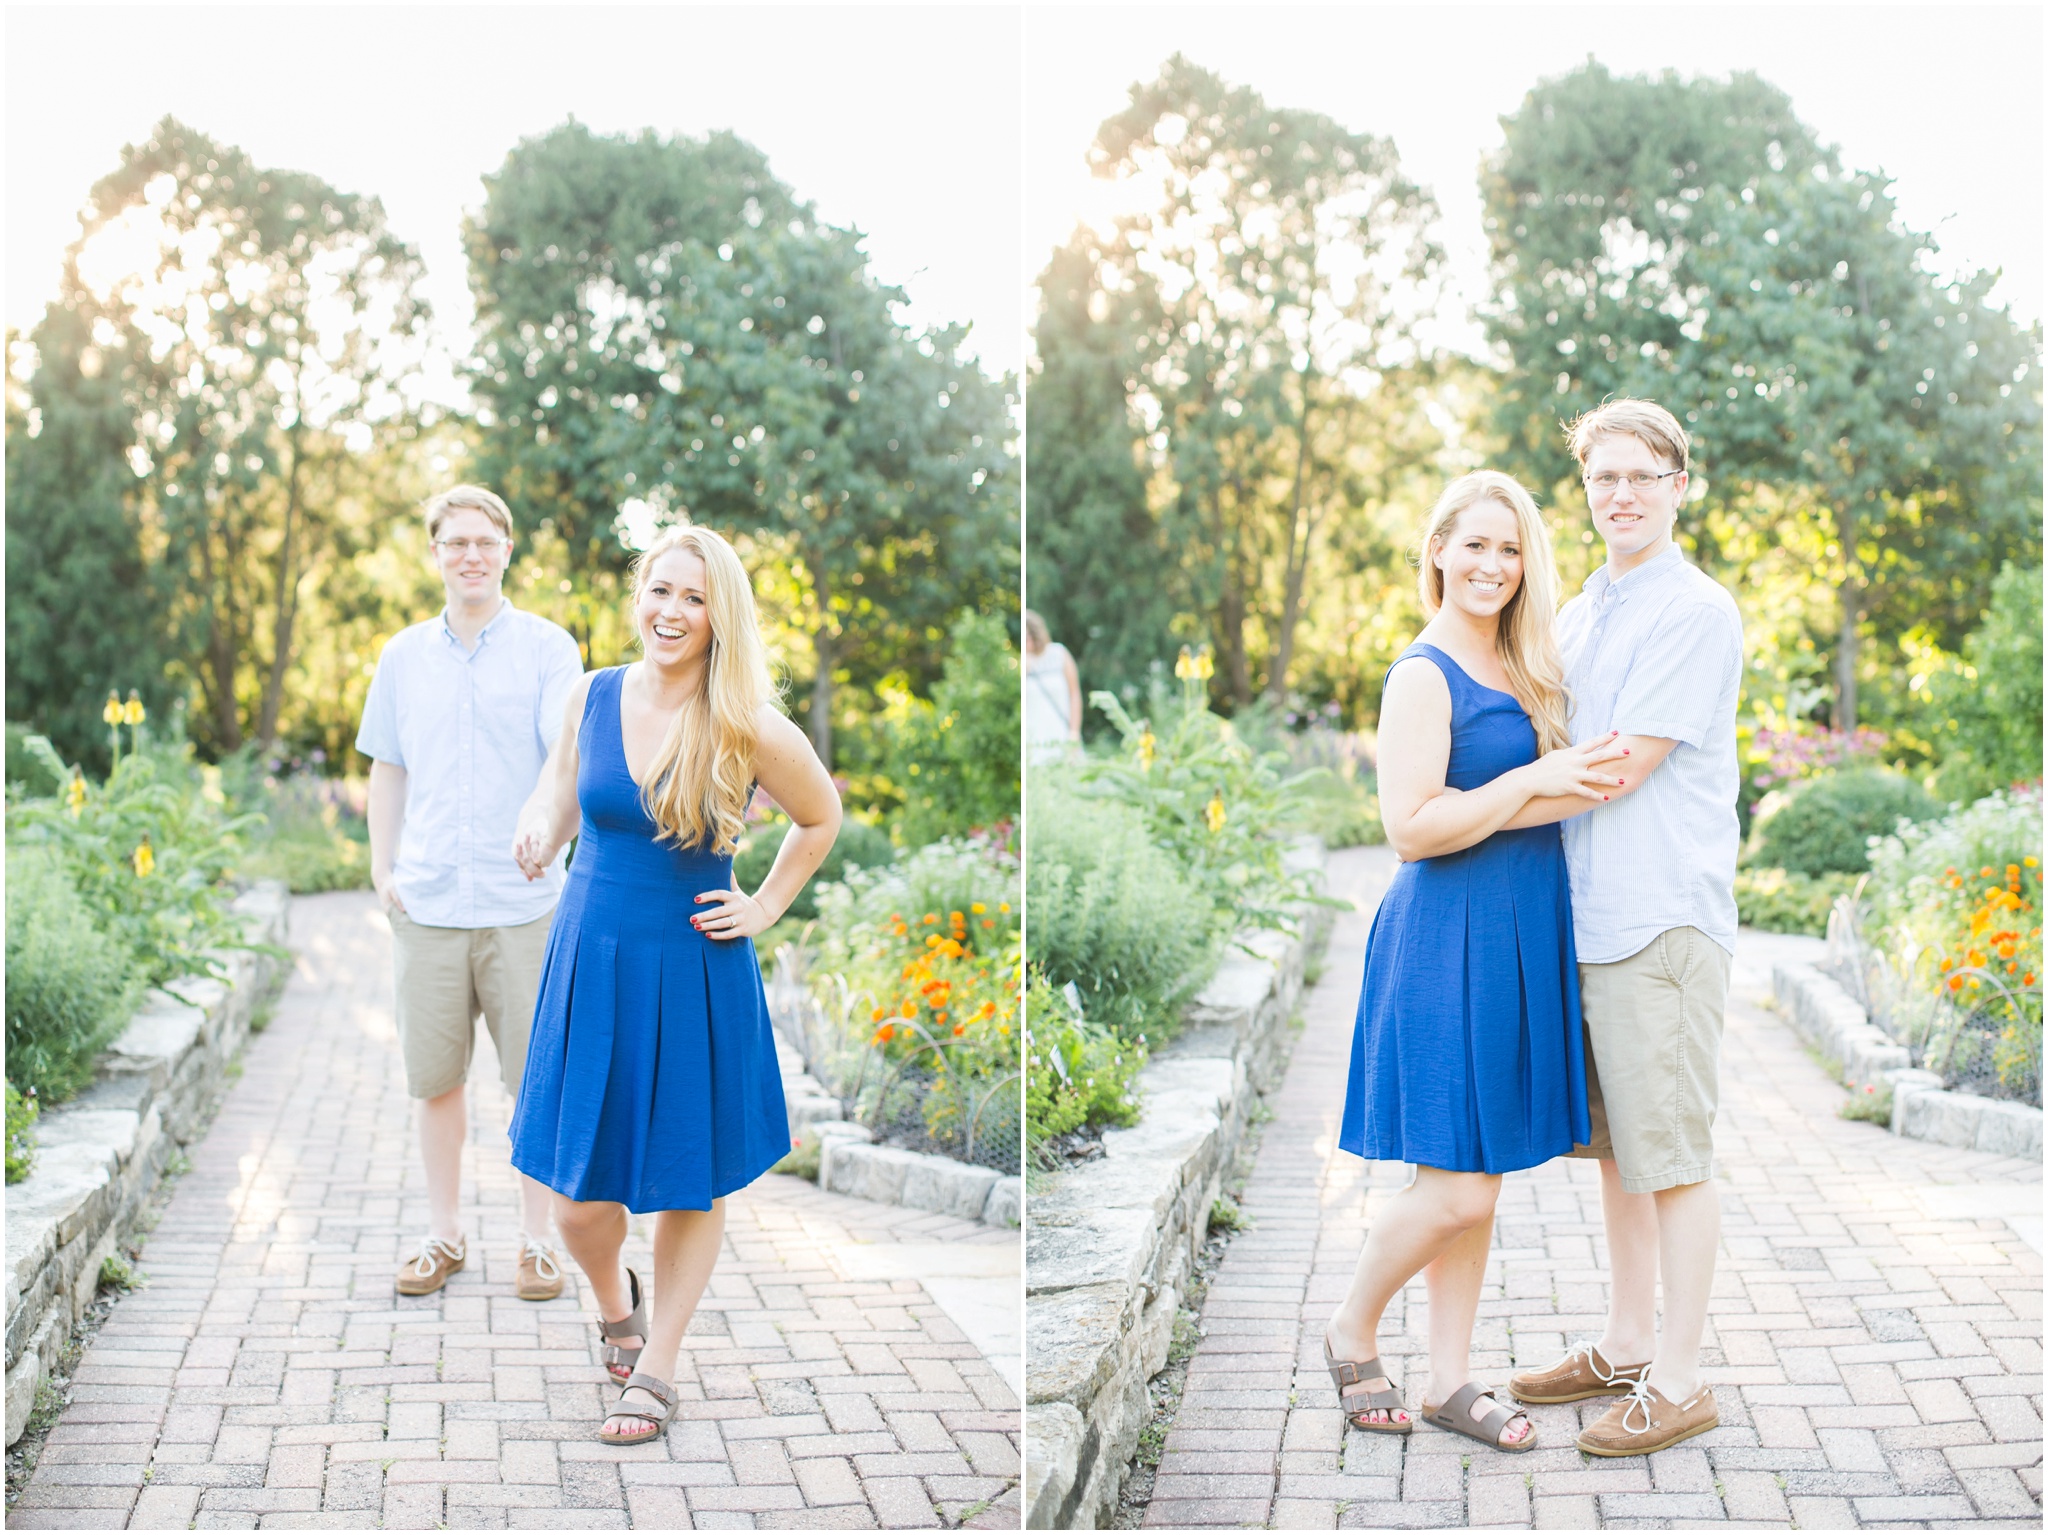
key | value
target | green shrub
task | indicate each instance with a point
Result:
(27, 772)
(313, 834)
(21, 1133)
(1825, 825)
(1211, 801)
(1983, 715)
(150, 851)
(860, 846)
(1078, 1073)
(1910, 892)
(1112, 912)
(70, 985)
(1780, 901)
(954, 759)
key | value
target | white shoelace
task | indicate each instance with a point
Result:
(1638, 1396)
(543, 1259)
(431, 1250)
(1604, 1375)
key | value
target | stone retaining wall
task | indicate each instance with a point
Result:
(1111, 1243)
(99, 1156)
(1864, 1055)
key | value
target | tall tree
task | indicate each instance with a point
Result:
(1287, 257)
(1691, 241)
(246, 325)
(666, 328)
(1097, 560)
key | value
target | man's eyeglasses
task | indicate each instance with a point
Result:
(461, 546)
(1640, 479)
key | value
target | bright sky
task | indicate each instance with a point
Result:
(901, 121)
(1946, 99)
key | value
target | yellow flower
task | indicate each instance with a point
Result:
(1184, 668)
(978, 908)
(1205, 666)
(1215, 814)
(112, 712)
(74, 796)
(1148, 748)
(132, 713)
(145, 858)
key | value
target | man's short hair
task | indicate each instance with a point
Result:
(1645, 420)
(469, 498)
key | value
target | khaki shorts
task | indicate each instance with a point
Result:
(1653, 1059)
(446, 976)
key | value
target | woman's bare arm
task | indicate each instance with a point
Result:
(549, 817)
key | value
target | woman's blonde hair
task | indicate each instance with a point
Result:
(703, 775)
(1527, 638)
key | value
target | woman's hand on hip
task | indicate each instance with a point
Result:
(730, 914)
(1580, 770)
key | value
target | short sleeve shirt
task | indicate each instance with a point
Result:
(472, 728)
(1657, 652)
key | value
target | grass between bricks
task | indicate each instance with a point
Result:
(1226, 1219)
(118, 1275)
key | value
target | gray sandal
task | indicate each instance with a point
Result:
(1457, 1416)
(1354, 1372)
(656, 1417)
(619, 1360)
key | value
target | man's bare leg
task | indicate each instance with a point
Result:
(1689, 1227)
(1632, 1245)
(444, 1127)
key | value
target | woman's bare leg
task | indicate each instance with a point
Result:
(686, 1246)
(1456, 1276)
(1415, 1227)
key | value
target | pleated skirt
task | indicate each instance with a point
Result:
(1468, 1053)
(651, 1076)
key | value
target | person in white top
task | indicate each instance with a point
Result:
(1652, 649)
(461, 713)
(1052, 693)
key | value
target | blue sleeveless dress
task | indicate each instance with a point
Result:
(1469, 1053)
(650, 1075)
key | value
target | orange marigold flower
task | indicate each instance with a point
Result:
(877, 1015)
(959, 1029)
(885, 1033)
(930, 918)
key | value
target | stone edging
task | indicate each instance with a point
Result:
(849, 1164)
(1111, 1243)
(1861, 1054)
(99, 1156)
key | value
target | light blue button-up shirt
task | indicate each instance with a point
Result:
(1656, 653)
(472, 729)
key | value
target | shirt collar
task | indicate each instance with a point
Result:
(1600, 582)
(497, 619)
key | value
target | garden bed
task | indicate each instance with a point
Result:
(1859, 1055)
(99, 1156)
(1112, 1239)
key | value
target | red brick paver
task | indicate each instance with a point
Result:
(267, 1376)
(1874, 1344)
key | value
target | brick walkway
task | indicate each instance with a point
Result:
(267, 1375)
(1874, 1343)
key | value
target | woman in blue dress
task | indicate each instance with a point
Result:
(1468, 1059)
(651, 1082)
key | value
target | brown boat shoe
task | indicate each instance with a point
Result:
(1644, 1422)
(427, 1271)
(540, 1271)
(1582, 1373)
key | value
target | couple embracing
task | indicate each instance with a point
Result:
(1546, 974)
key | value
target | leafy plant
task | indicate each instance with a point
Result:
(1782, 901)
(954, 759)
(70, 985)
(1209, 800)
(149, 851)
(1983, 715)
(1077, 1072)
(22, 1109)
(1113, 913)
(1825, 826)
